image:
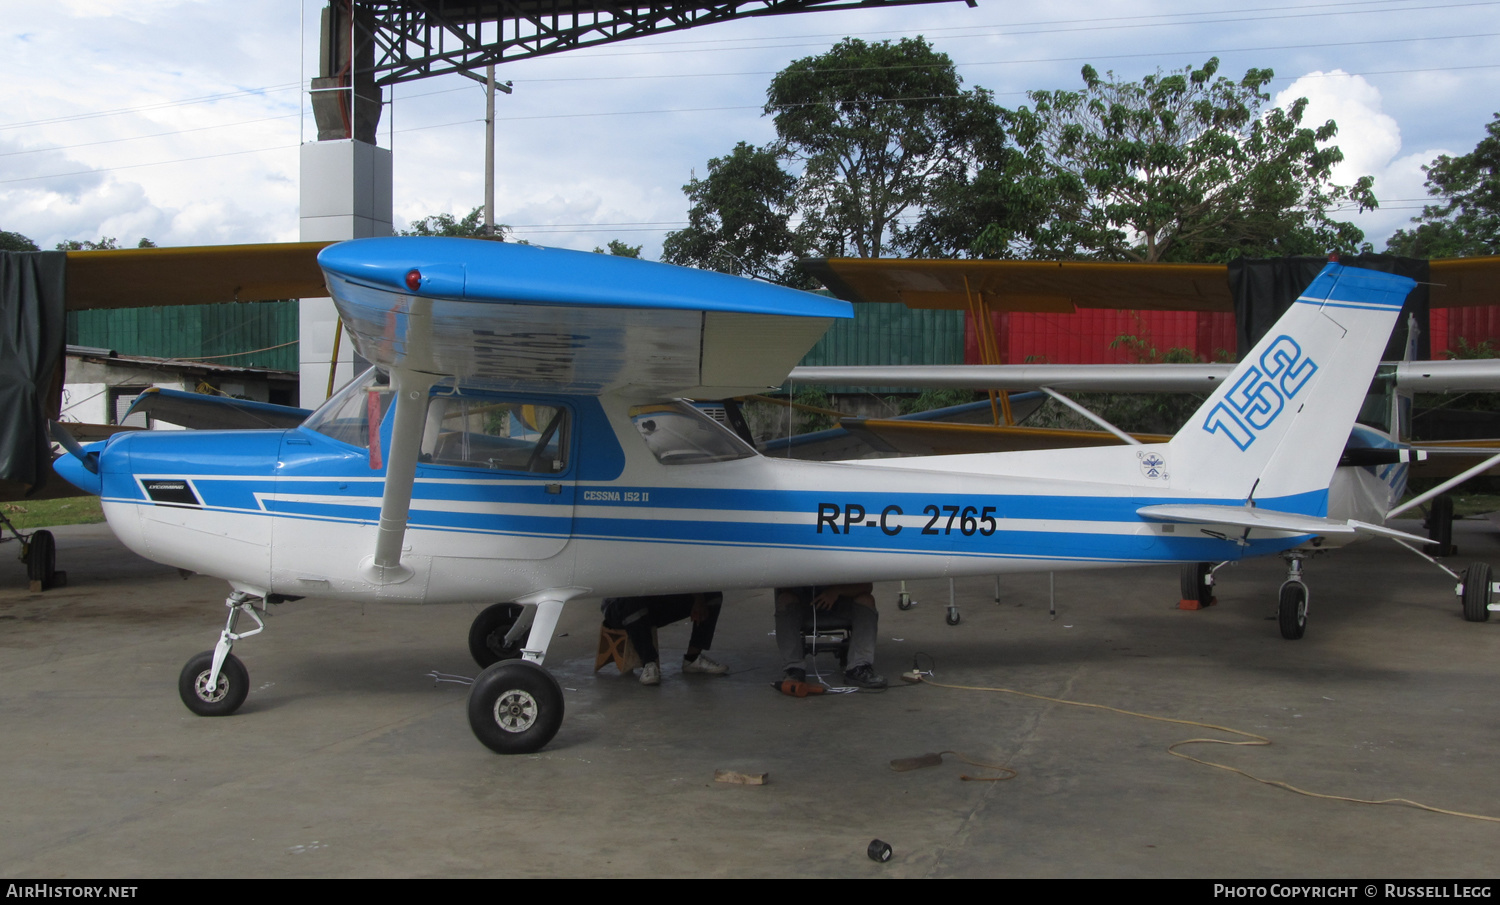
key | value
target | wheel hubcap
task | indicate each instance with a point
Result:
(210, 695)
(515, 711)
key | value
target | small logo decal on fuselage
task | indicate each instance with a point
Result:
(1153, 465)
(171, 492)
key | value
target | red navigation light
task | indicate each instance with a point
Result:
(414, 279)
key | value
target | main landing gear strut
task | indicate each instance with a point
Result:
(516, 706)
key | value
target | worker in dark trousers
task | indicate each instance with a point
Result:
(637, 616)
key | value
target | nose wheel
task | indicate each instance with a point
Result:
(215, 682)
(209, 694)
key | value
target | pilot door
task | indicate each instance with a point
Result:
(495, 477)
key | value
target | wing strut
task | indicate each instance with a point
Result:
(1445, 486)
(384, 566)
(1091, 416)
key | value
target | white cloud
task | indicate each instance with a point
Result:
(1370, 140)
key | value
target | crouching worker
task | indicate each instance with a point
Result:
(851, 602)
(638, 616)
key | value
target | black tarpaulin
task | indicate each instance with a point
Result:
(1264, 288)
(32, 335)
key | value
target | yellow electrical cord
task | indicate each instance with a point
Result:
(1251, 740)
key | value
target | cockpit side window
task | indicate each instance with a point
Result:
(677, 434)
(506, 435)
(346, 415)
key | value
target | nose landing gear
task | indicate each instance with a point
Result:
(215, 682)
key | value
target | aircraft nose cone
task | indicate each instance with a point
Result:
(71, 468)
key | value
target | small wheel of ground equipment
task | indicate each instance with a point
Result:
(1477, 592)
(41, 558)
(952, 618)
(1195, 586)
(487, 634)
(225, 697)
(515, 707)
(1440, 527)
(1291, 610)
(903, 601)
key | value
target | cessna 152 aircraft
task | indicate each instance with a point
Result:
(522, 439)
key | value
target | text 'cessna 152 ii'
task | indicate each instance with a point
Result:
(523, 438)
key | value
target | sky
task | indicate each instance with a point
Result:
(180, 121)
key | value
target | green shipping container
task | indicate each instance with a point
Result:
(245, 334)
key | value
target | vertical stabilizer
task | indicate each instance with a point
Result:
(1274, 431)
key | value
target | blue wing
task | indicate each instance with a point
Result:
(524, 317)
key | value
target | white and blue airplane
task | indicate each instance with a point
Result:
(522, 437)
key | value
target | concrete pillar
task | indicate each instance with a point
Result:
(346, 194)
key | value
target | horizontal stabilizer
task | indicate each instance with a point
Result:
(1246, 517)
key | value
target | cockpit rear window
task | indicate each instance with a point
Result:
(678, 434)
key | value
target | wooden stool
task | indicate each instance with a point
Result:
(615, 645)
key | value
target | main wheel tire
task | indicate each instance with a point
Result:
(41, 558)
(953, 618)
(225, 697)
(515, 707)
(487, 634)
(1477, 593)
(903, 601)
(1195, 582)
(1291, 610)
(1440, 527)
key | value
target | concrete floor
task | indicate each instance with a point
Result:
(349, 760)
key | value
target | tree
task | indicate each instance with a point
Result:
(10, 241)
(1467, 221)
(740, 219)
(106, 243)
(620, 249)
(874, 126)
(1183, 166)
(470, 227)
(1008, 205)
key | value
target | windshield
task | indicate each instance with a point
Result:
(346, 415)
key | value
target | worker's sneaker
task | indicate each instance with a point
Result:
(651, 673)
(704, 666)
(864, 676)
